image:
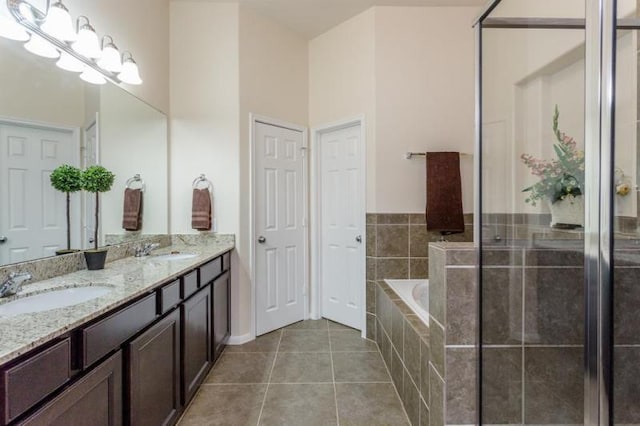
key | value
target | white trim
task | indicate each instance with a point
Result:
(253, 120)
(316, 247)
(240, 340)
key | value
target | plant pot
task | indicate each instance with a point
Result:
(567, 213)
(95, 259)
(63, 252)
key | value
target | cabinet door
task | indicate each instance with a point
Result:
(196, 337)
(94, 400)
(221, 317)
(154, 374)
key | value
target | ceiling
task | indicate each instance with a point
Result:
(311, 18)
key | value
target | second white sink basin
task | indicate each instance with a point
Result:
(52, 300)
(175, 256)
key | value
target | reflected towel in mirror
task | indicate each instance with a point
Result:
(132, 211)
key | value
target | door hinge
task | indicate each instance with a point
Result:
(303, 151)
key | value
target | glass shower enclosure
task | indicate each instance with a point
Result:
(558, 229)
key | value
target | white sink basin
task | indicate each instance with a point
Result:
(52, 300)
(175, 256)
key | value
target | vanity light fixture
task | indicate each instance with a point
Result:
(51, 34)
(92, 76)
(9, 28)
(129, 73)
(110, 59)
(87, 43)
(39, 46)
(59, 23)
(69, 63)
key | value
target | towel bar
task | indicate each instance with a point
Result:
(136, 179)
(410, 155)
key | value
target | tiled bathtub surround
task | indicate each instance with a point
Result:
(453, 314)
(398, 248)
(403, 340)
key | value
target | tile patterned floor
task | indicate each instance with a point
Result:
(310, 373)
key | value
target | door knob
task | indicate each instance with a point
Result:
(262, 239)
(3, 239)
(359, 239)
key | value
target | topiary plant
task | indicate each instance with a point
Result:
(67, 179)
(97, 179)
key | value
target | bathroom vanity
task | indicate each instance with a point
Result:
(136, 356)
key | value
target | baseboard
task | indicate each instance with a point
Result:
(240, 340)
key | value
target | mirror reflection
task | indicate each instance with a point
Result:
(48, 118)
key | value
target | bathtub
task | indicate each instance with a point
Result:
(415, 293)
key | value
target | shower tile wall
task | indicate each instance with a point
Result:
(398, 248)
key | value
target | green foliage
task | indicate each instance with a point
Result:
(97, 179)
(66, 178)
(559, 178)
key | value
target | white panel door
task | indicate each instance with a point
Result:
(342, 224)
(32, 213)
(280, 229)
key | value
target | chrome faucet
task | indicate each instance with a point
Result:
(13, 283)
(146, 249)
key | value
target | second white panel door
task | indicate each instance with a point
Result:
(342, 223)
(280, 229)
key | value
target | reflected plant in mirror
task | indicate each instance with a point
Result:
(67, 179)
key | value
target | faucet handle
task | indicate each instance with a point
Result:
(20, 277)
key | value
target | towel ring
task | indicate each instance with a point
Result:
(136, 179)
(202, 179)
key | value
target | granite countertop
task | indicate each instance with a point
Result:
(129, 278)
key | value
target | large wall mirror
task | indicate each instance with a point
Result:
(49, 117)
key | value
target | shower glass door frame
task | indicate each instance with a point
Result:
(600, 27)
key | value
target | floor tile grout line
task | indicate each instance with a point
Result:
(333, 375)
(273, 366)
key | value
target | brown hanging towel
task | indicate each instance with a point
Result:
(201, 210)
(444, 193)
(132, 210)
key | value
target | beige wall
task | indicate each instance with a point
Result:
(342, 83)
(425, 88)
(142, 27)
(410, 71)
(239, 63)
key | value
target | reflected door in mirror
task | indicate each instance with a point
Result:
(32, 213)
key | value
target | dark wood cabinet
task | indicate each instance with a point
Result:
(221, 289)
(154, 374)
(196, 341)
(139, 364)
(95, 399)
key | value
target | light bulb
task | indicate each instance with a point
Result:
(69, 63)
(58, 23)
(130, 74)
(87, 43)
(39, 46)
(92, 76)
(110, 59)
(9, 28)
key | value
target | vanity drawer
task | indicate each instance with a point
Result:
(189, 284)
(168, 297)
(226, 261)
(108, 334)
(26, 383)
(210, 270)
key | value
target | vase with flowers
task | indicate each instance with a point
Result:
(561, 181)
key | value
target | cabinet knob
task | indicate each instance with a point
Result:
(262, 239)
(359, 239)
(3, 239)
